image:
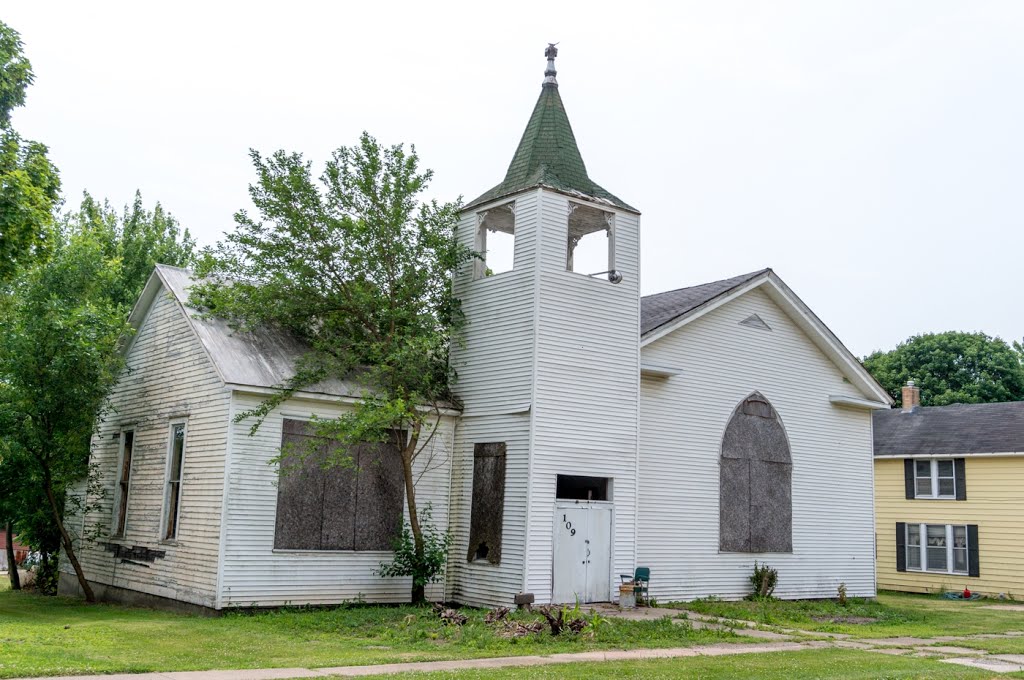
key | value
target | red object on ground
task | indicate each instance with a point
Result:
(967, 594)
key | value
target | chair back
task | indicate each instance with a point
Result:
(642, 574)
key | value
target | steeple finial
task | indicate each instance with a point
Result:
(549, 73)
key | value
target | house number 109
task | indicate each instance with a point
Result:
(568, 525)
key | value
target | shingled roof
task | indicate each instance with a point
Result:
(548, 156)
(960, 429)
(658, 309)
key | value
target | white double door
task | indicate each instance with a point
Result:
(581, 569)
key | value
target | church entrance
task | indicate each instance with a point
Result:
(581, 569)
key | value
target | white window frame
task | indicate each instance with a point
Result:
(118, 492)
(164, 538)
(934, 477)
(950, 554)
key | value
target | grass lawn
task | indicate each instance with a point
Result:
(819, 663)
(52, 636)
(894, 614)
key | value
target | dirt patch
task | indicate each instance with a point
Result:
(844, 619)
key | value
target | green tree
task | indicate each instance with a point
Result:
(952, 368)
(29, 183)
(58, 362)
(140, 238)
(360, 269)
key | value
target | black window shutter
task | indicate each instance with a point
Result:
(908, 476)
(960, 470)
(901, 546)
(973, 568)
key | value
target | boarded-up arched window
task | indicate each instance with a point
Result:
(756, 503)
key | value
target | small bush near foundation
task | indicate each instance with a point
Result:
(841, 590)
(763, 579)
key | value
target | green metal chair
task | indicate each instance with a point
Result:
(641, 579)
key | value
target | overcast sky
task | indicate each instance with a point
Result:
(870, 152)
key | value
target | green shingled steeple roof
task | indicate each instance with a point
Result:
(547, 154)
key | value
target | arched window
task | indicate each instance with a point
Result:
(755, 495)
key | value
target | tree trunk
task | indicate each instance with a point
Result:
(12, 569)
(408, 453)
(65, 538)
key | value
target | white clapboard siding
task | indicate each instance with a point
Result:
(586, 387)
(481, 583)
(168, 379)
(682, 422)
(255, 574)
(495, 367)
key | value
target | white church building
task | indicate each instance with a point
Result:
(691, 432)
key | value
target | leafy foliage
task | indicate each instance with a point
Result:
(424, 567)
(61, 323)
(15, 73)
(357, 267)
(29, 183)
(139, 238)
(763, 579)
(952, 368)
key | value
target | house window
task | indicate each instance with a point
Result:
(123, 481)
(941, 548)
(590, 249)
(496, 240)
(172, 494)
(756, 473)
(936, 478)
(488, 508)
(327, 500)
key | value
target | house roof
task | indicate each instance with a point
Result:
(265, 358)
(548, 156)
(663, 313)
(661, 308)
(959, 429)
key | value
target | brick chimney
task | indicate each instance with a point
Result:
(911, 396)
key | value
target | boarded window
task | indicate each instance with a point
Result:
(349, 507)
(488, 507)
(755, 495)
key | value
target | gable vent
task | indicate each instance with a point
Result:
(754, 321)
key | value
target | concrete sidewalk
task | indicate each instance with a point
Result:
(462, 664)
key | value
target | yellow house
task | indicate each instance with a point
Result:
(949, 497)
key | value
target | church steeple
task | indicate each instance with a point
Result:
(547, 154)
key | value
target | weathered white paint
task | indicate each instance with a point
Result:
(682, 421)
(255, 574)
(168, 378)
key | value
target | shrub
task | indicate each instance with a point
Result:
(429, 568)
(763, 579)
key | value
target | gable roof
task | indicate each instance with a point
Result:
(663, 313)
(265, 358)
(959, 429)
(548, 156)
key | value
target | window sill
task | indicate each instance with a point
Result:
(314, 551)
(938, 573)
(934, 498)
